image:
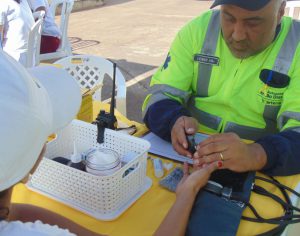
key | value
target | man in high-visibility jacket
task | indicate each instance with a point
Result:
(235, 74)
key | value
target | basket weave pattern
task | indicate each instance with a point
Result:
(100, 196)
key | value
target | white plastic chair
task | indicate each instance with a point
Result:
(290, 7)
(64, 48)
(89, 71)
(293, 229)
(34, 40)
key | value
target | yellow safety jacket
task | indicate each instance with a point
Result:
(227, 94)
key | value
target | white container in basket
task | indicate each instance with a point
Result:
(103, 197)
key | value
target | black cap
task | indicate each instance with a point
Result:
(251, 5)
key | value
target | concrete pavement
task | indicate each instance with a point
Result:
(136, 34)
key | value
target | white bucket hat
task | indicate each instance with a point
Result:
(32, 106)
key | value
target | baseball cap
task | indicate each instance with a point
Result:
(33, 104)
(251, 5)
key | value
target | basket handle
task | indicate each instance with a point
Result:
(131, 169)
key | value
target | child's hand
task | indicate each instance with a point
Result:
(192, 183)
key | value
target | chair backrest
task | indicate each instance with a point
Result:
(64, 48)
(34, 40)
(89, 71)
(293, 9)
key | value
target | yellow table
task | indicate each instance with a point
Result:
(144, 216)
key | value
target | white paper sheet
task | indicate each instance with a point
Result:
(163, 148)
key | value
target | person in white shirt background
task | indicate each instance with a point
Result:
(32, 107)
(51, 34)
(15, 24)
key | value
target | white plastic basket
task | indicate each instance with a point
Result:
(103, 197)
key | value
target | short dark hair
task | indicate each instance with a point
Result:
(18, 1)
(3, 193)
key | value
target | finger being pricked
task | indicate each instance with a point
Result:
(210, 166)
(186, 169)
(213, 166)
(199, 163)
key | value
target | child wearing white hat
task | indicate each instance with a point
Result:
(33, 106)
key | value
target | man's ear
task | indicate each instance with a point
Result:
(281, 12)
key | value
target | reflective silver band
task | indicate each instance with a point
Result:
(209, 48)
(252, 133)
(285, 116)
(285, 57)
(163, 88)
(270, 117)
(153, 99)
(158, 92)
(282, 64)
(245, 132)
(296, 129)
(203, 117)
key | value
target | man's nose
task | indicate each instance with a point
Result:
(239, 32)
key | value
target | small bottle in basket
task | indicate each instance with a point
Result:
(76, 159)
(75, 162)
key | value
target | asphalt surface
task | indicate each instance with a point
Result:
(136, 34)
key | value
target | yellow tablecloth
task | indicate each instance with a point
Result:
(144, 216)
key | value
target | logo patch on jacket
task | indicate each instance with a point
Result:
(273, 87)
(207, 59)
(272, 98)
(166, 64)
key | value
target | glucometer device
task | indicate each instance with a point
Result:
(191, 143)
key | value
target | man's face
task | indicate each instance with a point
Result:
(249, 32)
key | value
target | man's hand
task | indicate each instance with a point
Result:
(192, 183)
(183, 126)
(235, 154)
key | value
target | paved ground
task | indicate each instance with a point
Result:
(136, 34)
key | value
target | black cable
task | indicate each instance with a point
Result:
(282, 221)
(279, 185)
(272, 221)
(262, 191)
(282, 188)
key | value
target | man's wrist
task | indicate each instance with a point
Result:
(176, 118)
(259, 155)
